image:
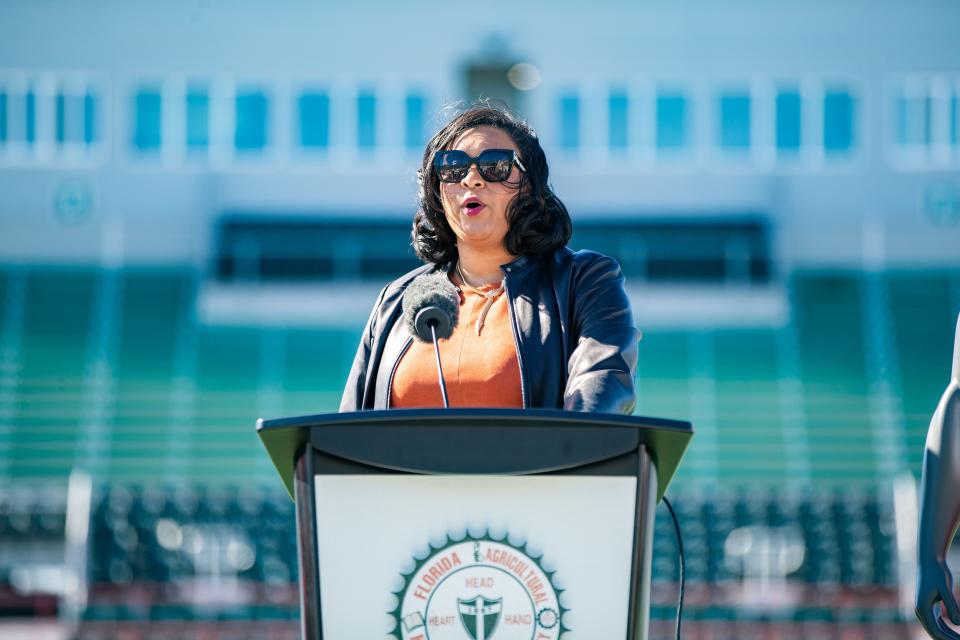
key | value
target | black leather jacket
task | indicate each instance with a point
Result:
(571, 319)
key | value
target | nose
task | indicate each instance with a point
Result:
(473, 177)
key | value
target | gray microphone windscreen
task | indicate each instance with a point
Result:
(431, 298)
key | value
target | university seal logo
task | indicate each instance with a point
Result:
(478, 589)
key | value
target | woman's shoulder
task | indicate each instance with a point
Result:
(395, 288)
(391, 297)
(585, 262)
(402, 282)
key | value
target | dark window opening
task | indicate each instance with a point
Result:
(303, 250)
(736, 250)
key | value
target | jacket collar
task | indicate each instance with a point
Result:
(519, 264)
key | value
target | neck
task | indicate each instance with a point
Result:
(483, 267)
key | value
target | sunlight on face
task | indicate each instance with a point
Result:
(480, 227)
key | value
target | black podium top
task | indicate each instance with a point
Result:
(475, 441)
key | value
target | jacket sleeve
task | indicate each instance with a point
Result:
(354, 391)
(603, 361)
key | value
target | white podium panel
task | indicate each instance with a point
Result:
(419, 557)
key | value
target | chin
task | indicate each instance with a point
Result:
(480, 233)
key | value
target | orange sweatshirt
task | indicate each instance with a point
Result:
(480, 370)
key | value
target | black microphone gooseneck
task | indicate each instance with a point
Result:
(431, 308)
(436, 350)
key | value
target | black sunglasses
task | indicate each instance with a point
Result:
(494, 165)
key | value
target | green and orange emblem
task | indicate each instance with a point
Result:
(479, 589)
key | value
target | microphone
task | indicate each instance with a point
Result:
(431, 308)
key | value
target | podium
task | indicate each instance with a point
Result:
(479, 524)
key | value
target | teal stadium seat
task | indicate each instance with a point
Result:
(829, 323)
(52, 371)
(179, 398)
(923, 305)
(154, 306)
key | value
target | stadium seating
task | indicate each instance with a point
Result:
(195, 560)
(154, 550)
(111, 371)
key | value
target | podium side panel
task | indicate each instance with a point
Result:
(304, 493)
(641, 574)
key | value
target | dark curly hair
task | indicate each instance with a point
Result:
(539, 222)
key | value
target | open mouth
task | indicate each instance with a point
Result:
(472, 206)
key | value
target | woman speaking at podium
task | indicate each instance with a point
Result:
(540, 326)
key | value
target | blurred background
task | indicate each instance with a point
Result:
(200, 199)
